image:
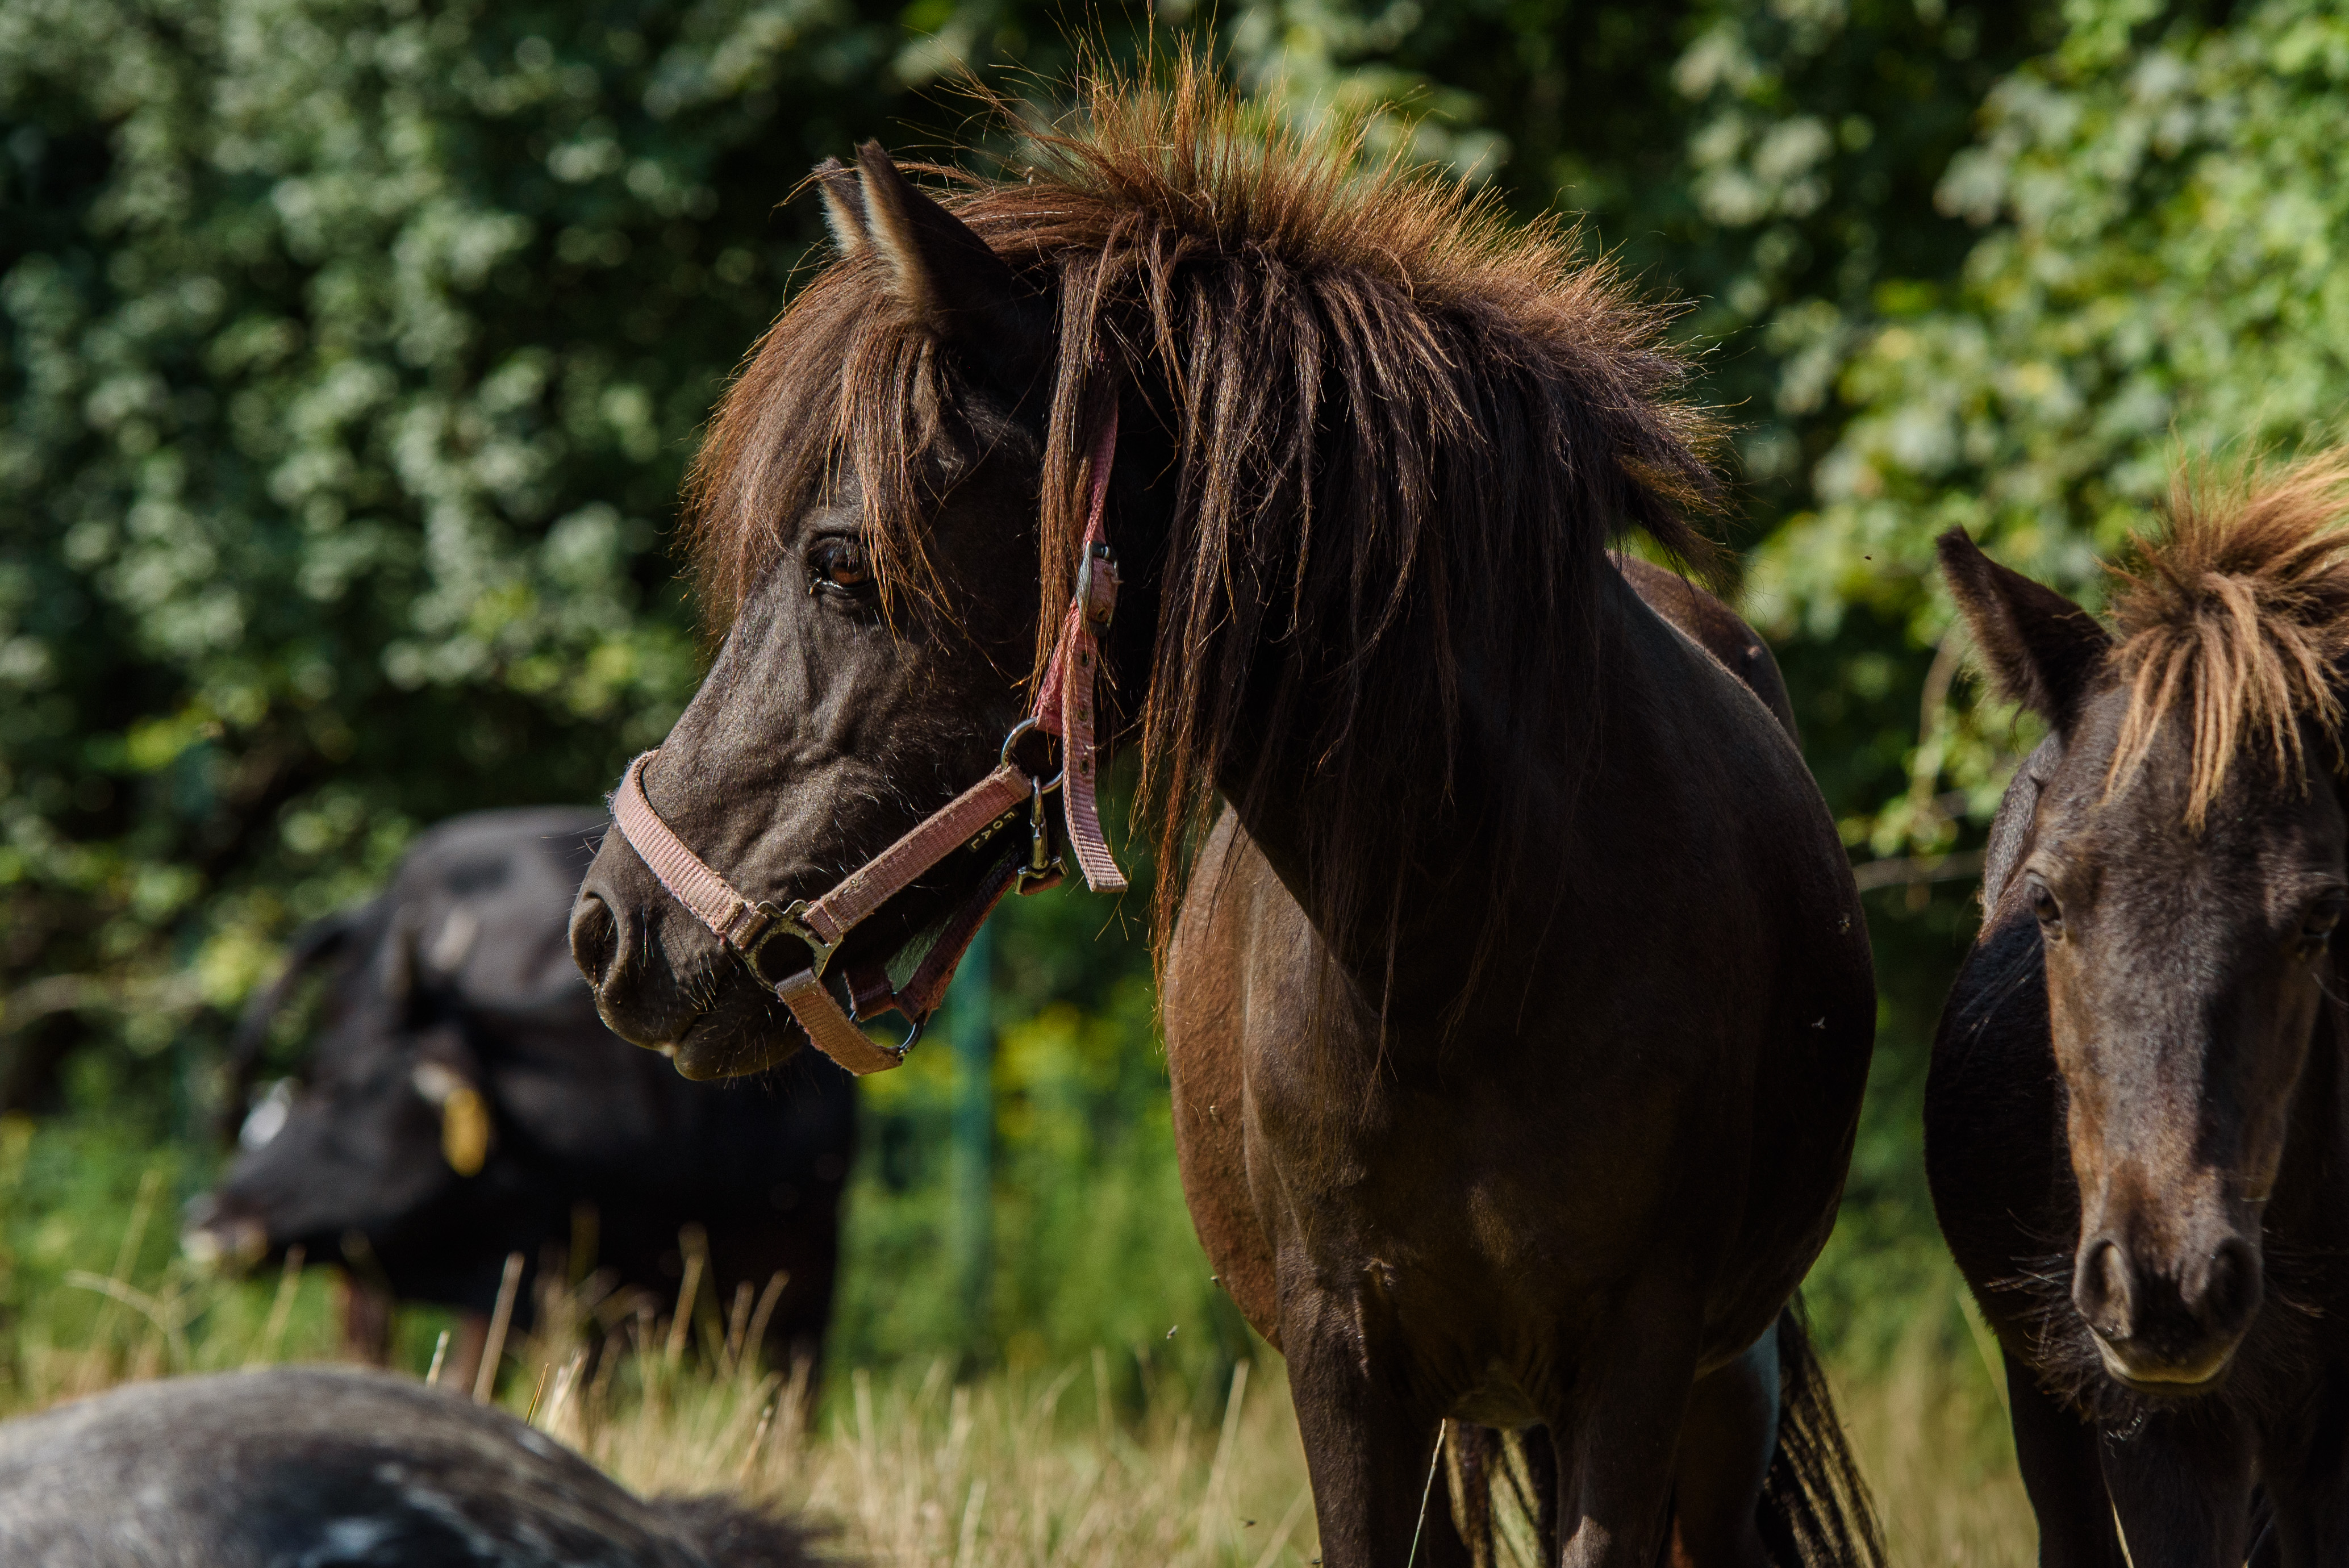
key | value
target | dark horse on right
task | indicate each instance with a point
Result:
(2136, 1115)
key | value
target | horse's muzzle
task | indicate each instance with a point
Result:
(2169, 1329)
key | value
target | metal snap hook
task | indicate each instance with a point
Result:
(1043, 864)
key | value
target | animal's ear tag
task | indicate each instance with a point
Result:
(465, 1132)
(464, 1116)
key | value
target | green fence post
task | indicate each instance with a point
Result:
(971, 1240)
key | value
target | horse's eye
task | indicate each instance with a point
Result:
(2317, 926)
(2044, 904)
(839, 566)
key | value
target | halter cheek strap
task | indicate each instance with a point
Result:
(1067, 704)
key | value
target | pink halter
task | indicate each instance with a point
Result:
(1066, 706)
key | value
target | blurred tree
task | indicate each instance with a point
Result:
(1775, 164)
(351, 352)
(2157, 281)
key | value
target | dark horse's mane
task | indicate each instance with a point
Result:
(1405, 429)
(2238, 615)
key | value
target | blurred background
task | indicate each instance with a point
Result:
(351, 352)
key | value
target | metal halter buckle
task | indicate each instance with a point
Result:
(789, 922)
(1097, 585)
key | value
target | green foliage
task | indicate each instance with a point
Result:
(351, 352)
(1092, 1243)
(1774, 165)
(2156, 282)
(91, 1285)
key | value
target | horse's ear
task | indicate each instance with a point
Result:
(2042, 649)
(938, 270)
(844, 207)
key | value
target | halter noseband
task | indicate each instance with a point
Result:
(1065, 706)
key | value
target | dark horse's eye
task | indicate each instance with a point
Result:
(838, 565)
(2043, 904)
(2316, 925)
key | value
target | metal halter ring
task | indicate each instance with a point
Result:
(1012, 740)
(790, 923)
(911, 1035)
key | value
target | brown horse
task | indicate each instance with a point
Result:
(2136, 1116)
(1520, 1007)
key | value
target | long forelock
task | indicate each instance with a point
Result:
(843, 384)
(2234, 623)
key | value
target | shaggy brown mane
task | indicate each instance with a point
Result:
(2237, 616)
(1406, 429)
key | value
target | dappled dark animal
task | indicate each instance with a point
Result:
(332, 1468)
(2136, 1115)
(1520, 1004)
(462, 1102)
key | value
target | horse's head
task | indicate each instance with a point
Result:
(2185, 863)
(1373, 446)
(869, 671)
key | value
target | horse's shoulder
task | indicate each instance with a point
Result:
(1721, 632)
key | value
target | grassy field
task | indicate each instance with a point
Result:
(921, 1470)
(1119, 1456)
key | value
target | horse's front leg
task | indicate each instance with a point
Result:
(1724, 1461)
(1370, 1448)
(2181, 1490)
(1616, 1446)
(2306, 1476)
(2057, 1452)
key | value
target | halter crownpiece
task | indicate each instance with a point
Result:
(1067, 703)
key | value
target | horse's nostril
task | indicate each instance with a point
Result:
(594, 939)
(2102, 1288)
(2231, 1291)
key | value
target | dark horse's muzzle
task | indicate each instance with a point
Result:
(2164, 1324)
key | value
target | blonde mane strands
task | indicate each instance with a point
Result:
(2239, 615)
(1404, 430)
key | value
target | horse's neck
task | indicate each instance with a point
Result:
(1469, 869)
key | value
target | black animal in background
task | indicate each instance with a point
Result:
(332, 1465)
(2136, 1124)
(462, 1103)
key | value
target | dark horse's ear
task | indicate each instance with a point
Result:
(938, 270)
(2042, 649)
(843, 206)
